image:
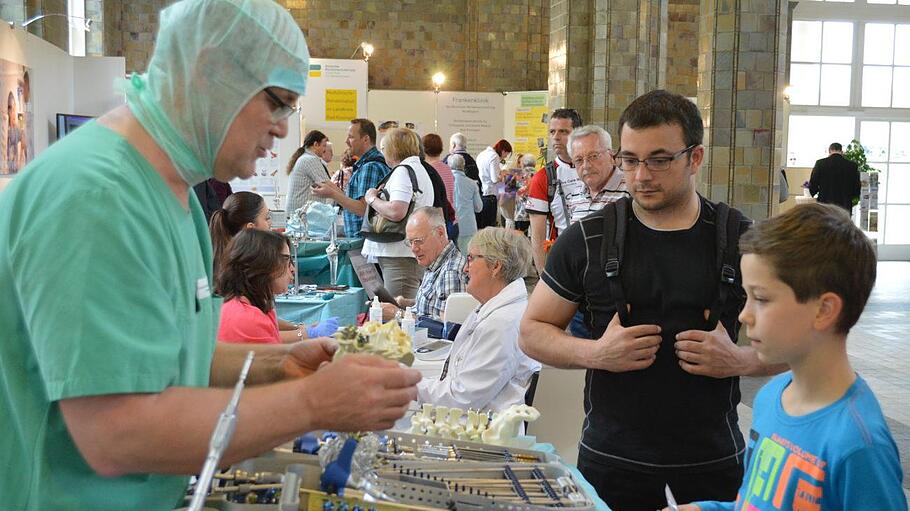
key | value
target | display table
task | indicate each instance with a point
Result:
(580, 479)
(311, 307)
(313, 264)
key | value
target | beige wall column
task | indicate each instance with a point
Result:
(741, 71)
(570, 48)
(605, 53)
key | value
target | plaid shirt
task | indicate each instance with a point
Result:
(443, 277)
(367, 173)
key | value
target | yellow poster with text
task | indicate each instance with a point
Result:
(340, 104)
(530, 130)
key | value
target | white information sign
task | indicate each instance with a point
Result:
(477, 115)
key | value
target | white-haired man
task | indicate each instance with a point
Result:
(426, 236)
(458, 144)
(590, 149)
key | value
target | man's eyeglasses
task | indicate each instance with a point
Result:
(654, 163)
(416, 242)
(283, 110)
(591, 158)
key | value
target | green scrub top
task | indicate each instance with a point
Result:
(104, 289)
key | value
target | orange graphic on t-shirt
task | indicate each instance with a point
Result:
(806, 467)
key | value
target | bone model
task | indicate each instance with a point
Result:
(444, 422)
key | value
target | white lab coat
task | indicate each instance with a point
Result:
(486, 369)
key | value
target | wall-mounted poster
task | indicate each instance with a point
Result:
(16, 130)
(525, 125)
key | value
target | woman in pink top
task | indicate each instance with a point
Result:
(257, 266)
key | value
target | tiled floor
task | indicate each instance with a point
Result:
(879, 349)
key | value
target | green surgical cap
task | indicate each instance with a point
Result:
(210, 59)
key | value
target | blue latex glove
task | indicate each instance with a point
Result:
(327, 327)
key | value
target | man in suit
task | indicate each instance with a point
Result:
(835, 179)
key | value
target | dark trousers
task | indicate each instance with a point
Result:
(625, 490)
(487, 216)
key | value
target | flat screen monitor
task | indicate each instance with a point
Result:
(68, 122)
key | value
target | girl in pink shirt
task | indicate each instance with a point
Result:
(257, 266)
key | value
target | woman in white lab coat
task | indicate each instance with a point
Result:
(486, 370)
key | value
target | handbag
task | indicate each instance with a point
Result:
(380, 229)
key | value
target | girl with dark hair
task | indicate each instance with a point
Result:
(305, 169)
(257, 266)
(241, 210)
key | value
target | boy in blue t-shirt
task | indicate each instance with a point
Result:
(819, 440)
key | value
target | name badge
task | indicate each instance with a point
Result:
(202, 289)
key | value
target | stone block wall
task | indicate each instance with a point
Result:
(741, 72)
(682, 47)
(483, 45)
(130, 29)
(603, 54)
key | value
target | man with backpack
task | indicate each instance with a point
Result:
(658, 276)
(546, 204)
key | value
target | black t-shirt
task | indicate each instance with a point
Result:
(659, 418)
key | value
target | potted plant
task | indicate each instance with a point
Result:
(857, 154)
(869, 177)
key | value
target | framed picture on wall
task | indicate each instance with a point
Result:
(17, 127)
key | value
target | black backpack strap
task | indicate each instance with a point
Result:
(726, 222)
(552, 180)
(414, 187)
(554, 185)
(615, 223)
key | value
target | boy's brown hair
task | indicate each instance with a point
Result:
(815, 249)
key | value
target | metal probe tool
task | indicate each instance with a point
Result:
(220, 440)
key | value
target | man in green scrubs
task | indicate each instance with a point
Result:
(108, 364)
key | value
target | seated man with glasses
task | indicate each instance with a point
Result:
(654, 348)
(426, 237)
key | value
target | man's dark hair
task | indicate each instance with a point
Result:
(567, 113)
(660, 107)
(253, 261)
(835, 146)
(387, 125)
(367, 128)
(312, 138)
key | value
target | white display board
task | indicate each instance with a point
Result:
(336, 93)
(477, 115)
(417, 108)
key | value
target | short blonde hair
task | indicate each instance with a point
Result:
(508, 247)
(401, 143)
